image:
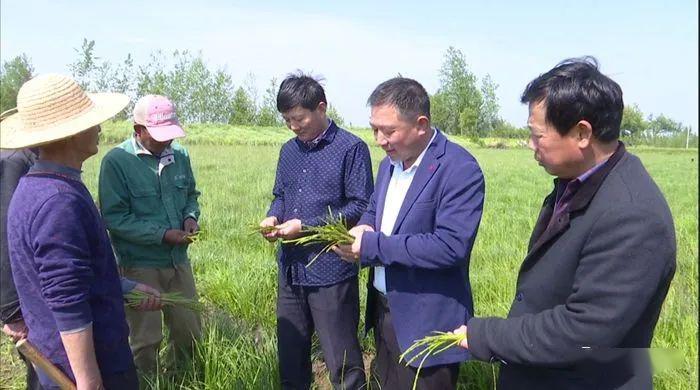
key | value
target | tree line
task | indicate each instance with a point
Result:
(463, 104)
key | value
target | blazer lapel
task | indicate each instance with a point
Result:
(425, 171)
(543, 219)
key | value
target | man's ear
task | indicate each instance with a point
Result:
(584, 133)
(423, 124)
(138, 129)
(322, 107)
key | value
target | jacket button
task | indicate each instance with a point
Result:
(519, 296)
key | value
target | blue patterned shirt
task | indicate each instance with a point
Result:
(335, 172)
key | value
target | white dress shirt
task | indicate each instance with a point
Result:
(398, 187)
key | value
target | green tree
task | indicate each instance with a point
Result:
(243, 107)
(200, 94)
(488, 112)
(85, 66)
(97, 75)
(268, 114)
(458, 100)
(633, 121)
(664, 126)
(13, 74)
(333, 113)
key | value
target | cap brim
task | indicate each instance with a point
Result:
(15, 135)
(165, 133)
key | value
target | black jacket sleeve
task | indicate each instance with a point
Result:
(13, 165)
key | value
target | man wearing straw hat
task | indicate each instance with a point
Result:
(149, 202)
(62, 261)
(15, 163)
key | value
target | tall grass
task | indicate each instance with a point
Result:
(236, 272)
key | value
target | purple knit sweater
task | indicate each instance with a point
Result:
(65, 271)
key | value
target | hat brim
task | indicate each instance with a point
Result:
(14, 134)
(165, 133)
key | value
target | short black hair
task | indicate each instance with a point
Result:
(299, 89)
(575, 90)
(407, 95)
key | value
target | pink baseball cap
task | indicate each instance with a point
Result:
(157, 114)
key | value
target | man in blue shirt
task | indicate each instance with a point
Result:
(323, 166)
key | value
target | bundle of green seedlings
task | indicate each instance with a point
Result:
(196, 236)
(135, 297)
(430, 346)
(333, 232)
(257, 229)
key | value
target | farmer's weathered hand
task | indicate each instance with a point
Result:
(351, 253)
(176, 237)
(190, 226)
(269, 222)
(289, 230)
(16, 330)
(150, 303)
(462, 330)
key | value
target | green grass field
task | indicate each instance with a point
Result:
(236, 272)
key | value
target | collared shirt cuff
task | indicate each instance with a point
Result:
(76, 330)
(73, 316)
(127, 285)
(160, 235)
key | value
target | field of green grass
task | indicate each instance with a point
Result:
(236, 272)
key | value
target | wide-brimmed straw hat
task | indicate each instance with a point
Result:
(51, 107)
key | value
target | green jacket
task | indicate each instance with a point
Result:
(138, 205)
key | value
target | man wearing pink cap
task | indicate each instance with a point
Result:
(148, 200)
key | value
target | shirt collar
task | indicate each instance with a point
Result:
(140, 149)
(323, 135)
(326, 135)
(315, 141)
(573, 184)
(591, 171)
(44, 166)
(416, 164)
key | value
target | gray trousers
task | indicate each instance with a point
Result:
(334, 313)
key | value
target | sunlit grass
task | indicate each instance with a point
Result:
(236, 271)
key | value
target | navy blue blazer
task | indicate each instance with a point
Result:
(427, 255)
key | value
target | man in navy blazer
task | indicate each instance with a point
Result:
(417, 235)
(602, 254)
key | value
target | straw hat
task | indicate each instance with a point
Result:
(51, 107)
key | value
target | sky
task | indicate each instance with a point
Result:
(649, 47)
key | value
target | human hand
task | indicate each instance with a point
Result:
(267, 223)
(351, 252)
(190, 225)
(462, 330)
(289, 230)
(152, 301)
(176, 237)
(16, 330)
